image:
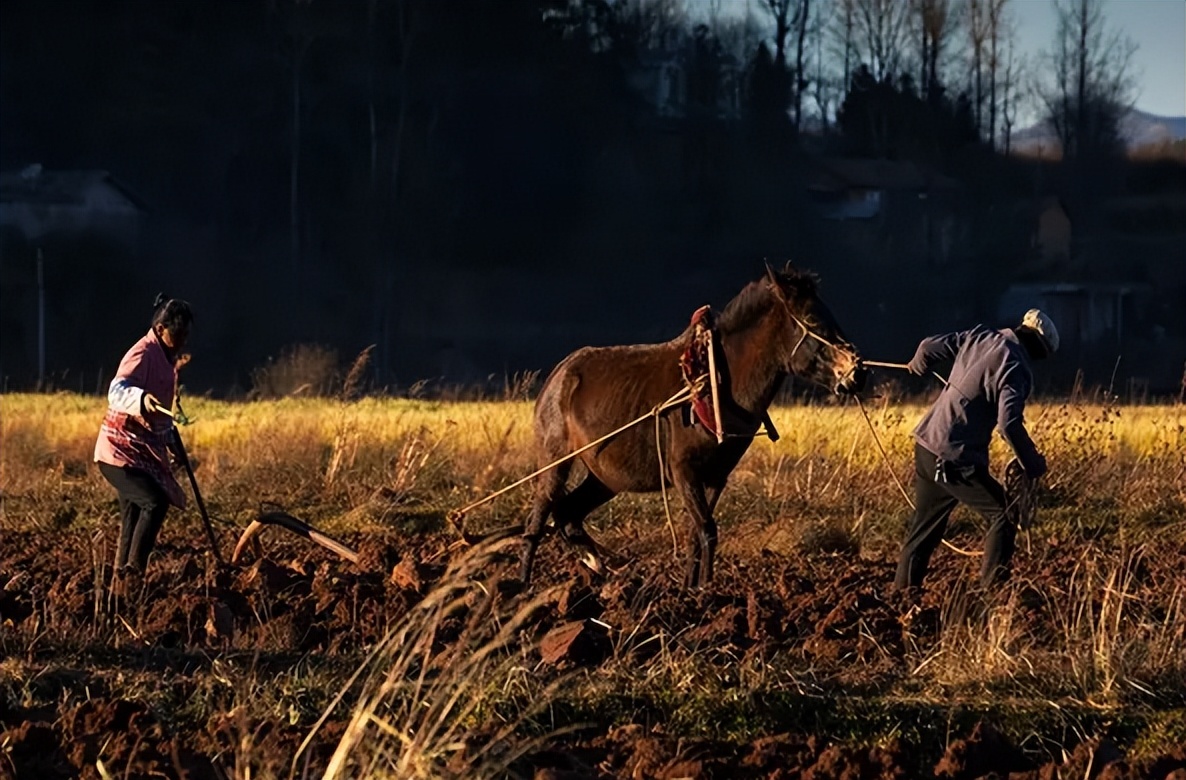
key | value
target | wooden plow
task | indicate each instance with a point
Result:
(250, 536)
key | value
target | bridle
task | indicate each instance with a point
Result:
(809, 333)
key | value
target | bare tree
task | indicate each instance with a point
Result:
(302, 28)
(823, 76)
(780, 12)
(791, 16)
(882, 26)
(933, 24)
(784, 14)
(647, 24)
(997, 30)
(976, 28)
(799, 23)
(1011, 94)
(739, 36)
(1089, 87)
(843, 32)
(299, 34)
(384, 316)
(714, 15)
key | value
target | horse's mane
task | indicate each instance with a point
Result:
(755, 298)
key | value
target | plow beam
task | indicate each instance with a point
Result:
(297, 526)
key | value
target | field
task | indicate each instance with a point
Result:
(421, 661)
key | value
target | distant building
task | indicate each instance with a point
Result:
(1051, 236)
(686, 78)
(1088, 315)
(1039, 232)
(892, 209)
(36, 203)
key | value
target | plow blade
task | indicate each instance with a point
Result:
(297, 526)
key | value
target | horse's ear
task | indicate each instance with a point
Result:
(771, 274)
(775, 282)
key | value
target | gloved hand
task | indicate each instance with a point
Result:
(1036, 469)
(918, 363)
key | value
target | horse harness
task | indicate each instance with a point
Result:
(702, 377)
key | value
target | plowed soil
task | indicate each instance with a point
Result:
(159, 682)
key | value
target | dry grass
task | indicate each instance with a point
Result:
(449, 689)
(1102, 635)
(826, 452)
(1099, 630)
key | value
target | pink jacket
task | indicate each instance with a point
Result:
(130, 438)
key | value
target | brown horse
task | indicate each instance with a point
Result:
(774, 327)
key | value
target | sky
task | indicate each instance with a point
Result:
(1158, 27)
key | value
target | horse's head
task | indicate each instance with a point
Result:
(815, 349)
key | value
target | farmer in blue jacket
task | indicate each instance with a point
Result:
(989, 384)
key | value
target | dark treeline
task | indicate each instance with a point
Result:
(479, 187)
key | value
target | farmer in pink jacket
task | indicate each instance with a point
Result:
(134, 441)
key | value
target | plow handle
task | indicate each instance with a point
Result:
(193, 482)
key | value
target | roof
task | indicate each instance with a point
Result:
(35, 185)
(837, 173)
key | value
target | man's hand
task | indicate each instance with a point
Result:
(1038, 468)
(918, 364)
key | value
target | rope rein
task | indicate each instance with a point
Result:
(904, 367)
(898, 482)
(683, 395)
(663, 490)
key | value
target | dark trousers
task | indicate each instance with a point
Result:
(934, 499)
(142, 508)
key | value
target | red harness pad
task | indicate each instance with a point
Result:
(694, 364)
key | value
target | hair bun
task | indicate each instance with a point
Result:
(161, 300)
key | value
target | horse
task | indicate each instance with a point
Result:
(775, 327)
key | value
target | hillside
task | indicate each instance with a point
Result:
(1138, 129)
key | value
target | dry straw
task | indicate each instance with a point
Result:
(450, 692)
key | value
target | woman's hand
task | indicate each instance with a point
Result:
(151, 403)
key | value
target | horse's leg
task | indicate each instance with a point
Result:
(548, 492)
(702, 539)
(708, 549)
(712, 494)
(692, 551)
(708, 532)
(571, 510)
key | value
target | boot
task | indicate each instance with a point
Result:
(128, 585)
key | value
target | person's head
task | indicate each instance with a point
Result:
(171, 321)
(1037, 334)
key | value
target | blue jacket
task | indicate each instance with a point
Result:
(989, 384)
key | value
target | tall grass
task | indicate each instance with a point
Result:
(449, 691)
(374, 457)
(46, 429)
(455, 689)
(1106, 633)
